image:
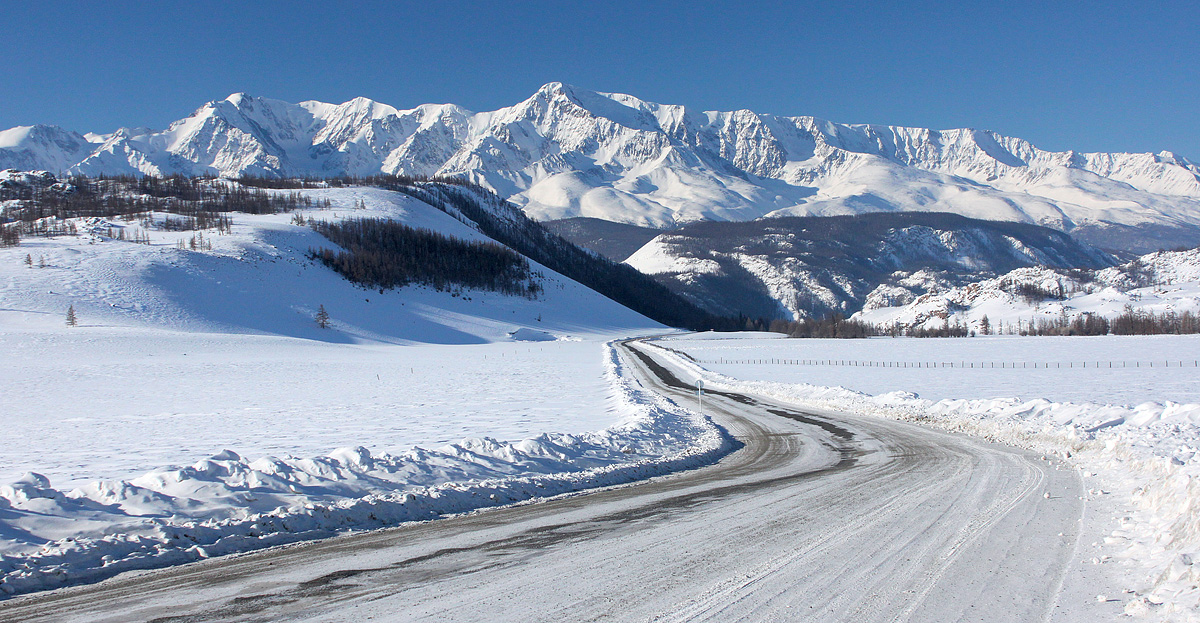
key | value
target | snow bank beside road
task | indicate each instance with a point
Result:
(227, 504)
(1149, 453)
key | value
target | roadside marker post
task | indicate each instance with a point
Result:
(700, 394)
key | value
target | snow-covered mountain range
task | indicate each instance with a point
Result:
(567, 152)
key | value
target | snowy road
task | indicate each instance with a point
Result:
(818, 517)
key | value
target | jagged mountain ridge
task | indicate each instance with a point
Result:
(797, 267)
(568, 152)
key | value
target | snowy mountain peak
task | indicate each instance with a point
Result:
(13, 137)
(1170, 157)
(360, 107)
(552, 89)
(41, 147)
(557, 103)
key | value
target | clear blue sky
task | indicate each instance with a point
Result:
(1090, 76)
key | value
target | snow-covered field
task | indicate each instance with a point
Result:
(1138, 448)
(882, 365)
(112, 403)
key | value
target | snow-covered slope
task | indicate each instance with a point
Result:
(568, 152)
(258, 279)
(1159, 283)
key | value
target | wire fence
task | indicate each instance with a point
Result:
(1017, 365)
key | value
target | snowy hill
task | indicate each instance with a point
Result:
(794, 267)
(1161, 283)
(568, 152)
(258, 278)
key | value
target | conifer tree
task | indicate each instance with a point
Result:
(29, 260)
(71, 320)
(322, 317)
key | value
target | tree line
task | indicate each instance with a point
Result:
(385, 254)
(830, 326)
(1140, 322)
(200, 201)
(1129, 322)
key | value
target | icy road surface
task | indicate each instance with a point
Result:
(820, 517)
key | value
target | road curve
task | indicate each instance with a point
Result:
(818, 517)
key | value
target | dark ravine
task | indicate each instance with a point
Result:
(616, 241)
